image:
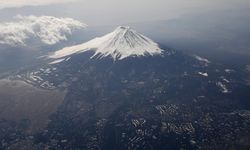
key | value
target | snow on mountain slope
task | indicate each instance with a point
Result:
(119, 44)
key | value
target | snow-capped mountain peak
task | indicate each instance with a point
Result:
(123, 42)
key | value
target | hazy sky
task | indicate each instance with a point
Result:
(108, 12)
(21, 3)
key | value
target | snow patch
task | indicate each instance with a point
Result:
(56, 61)
(68, 59)
(229, 70)
(203, 74)
(222, 87)
(225, 80)
(202, 59)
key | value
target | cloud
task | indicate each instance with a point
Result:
(47, 29)
(21, 3)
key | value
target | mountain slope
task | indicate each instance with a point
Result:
(165, 100)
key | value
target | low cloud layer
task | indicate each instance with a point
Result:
(47, 29)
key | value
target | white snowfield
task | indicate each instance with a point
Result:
(123, 42)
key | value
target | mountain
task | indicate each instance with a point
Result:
(124, 91)
(119, 44)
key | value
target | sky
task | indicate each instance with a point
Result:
(194, 24)
(108, 12)
(199, 25)
(21, 3)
